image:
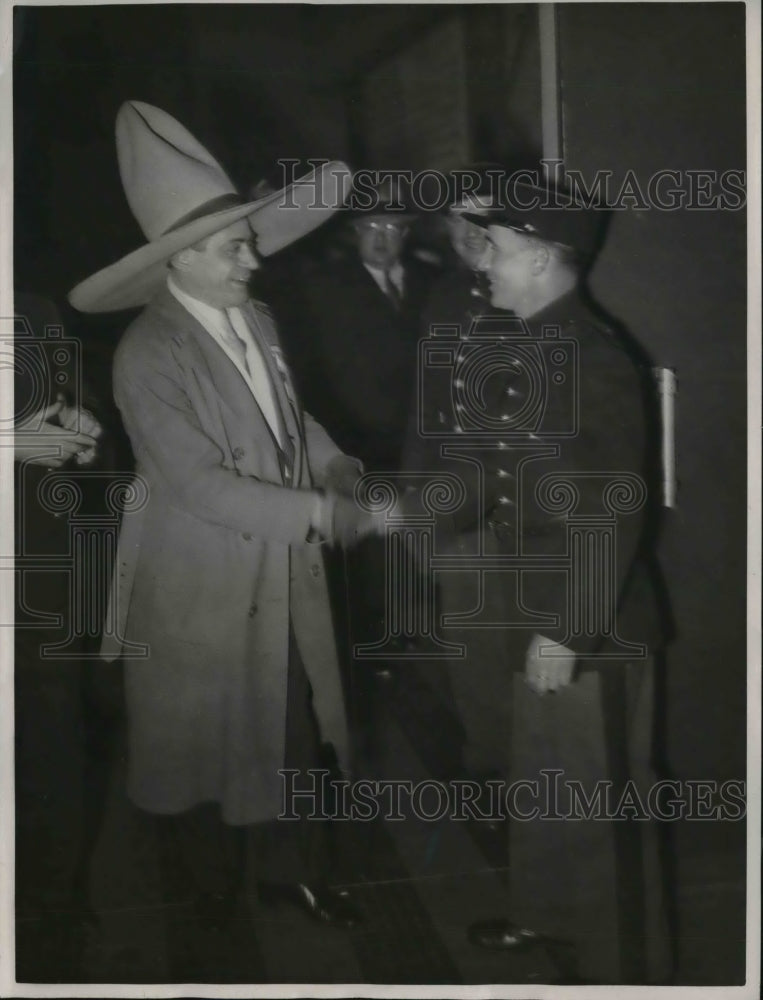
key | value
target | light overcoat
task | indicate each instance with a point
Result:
(213, 567)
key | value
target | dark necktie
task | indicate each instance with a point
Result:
(392, 291)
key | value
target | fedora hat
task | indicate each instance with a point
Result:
(179, 194)
(384, 201)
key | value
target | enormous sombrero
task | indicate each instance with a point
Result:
(180, 194)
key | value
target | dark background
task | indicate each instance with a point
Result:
(645, 87)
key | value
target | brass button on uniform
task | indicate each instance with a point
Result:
(238, 453)
(247, 536)
(252, 611)
(315, 569)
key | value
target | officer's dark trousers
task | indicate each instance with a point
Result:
(596, 882)
(480, 680)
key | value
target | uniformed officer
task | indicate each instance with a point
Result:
(570, 500)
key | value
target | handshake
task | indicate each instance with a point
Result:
(343, 521)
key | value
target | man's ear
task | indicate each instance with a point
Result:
(182, 259)
(541, 257)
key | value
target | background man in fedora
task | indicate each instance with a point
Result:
(360, 315)
(220, 579)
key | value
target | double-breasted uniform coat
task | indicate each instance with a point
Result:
(215, 568)
(594, 881)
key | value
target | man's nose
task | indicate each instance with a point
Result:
(485, 260)
(248, 258)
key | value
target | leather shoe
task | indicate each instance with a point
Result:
(329, 906)
(502, 935)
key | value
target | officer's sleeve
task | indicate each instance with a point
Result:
(595, 480)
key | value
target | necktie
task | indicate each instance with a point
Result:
(393, 292)
(234, 342)
(259, 377)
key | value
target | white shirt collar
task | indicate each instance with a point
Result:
(207, 315)
(217, 326)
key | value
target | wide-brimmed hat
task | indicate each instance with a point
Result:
(180, 194)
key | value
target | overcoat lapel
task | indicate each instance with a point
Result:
(232, 389)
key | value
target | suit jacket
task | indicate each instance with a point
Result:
(354, 355)
(212, 567)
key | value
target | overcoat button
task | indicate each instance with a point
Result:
(315, 569)
(252, 611)
(247, 536)
(238, 453)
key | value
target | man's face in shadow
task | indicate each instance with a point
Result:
(380, 240)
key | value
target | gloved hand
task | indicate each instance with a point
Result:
(551, 672)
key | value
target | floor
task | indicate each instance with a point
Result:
(418, 885)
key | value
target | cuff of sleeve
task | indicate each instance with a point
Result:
(322, 517)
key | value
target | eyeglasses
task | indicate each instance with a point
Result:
(383, 227)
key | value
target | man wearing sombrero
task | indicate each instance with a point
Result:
(220, 604)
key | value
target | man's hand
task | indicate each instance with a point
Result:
(551, 669)
(74, 419)
(342, 473)
(350, 523)
(40, 441)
